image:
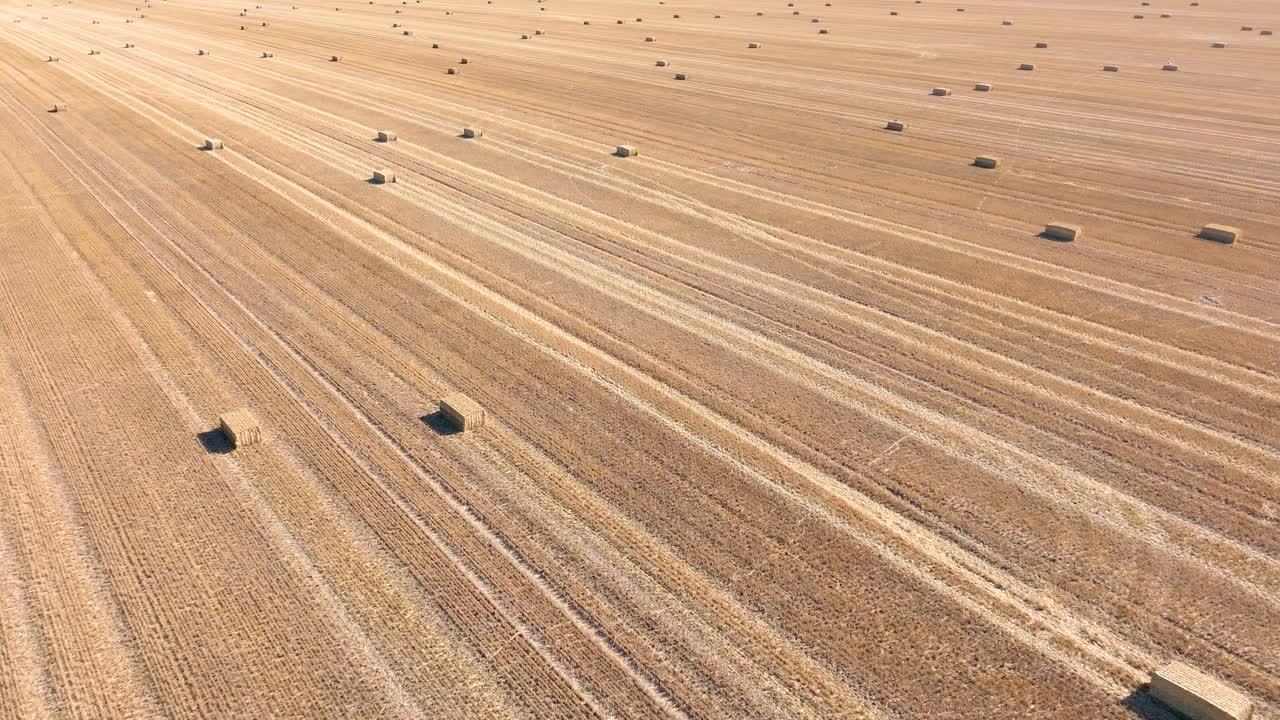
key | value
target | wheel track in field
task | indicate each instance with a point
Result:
(462, 565)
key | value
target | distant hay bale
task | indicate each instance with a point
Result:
(213, 144)
(408, 32)
(1063, 231)
(462, 412)
(896, 126)
(539, 32)
(1166, 15)
(382, 177)
(649, 38)
(983, 87)
(268, 54)
(129, 45)
(241, 428)
(753, 45)
(95, 52)
(335, 58)
(893, 12)
(1246, 28)
(524, 37)
(759, 14)
(1170, 67)
(796, 12)
(626, 151)
(1042, 45)
(435, 46)
(1198, 696)
(387, 136)
(814, 20)
(1111, 68)
(453, 71)
(1027, 66)
(824, 31)
(59, 107)
(464, 61)
(1218, 45)
(202, 52)
(1221, 233)
(661, 63)
(986, 161)
(1137, 17)
(586, 22)
(681, 76)
(959, 9)
(1265, 32)
(472, 132)
(619, 22)
(395, 25)
(54, 58)
(941, 91)
(1006, 22)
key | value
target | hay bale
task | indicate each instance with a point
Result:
(661, 63)
(626, 151)
(54, 58)
(1042, 45)
(464, 61)
(1218, 45)
(95, 52)
(129, 45)
(268, 54)
(1137, 17)
(387, 136)
(893, 12)
(1221, 233)
(649, 38)
(896, 126)
(462, 412)
(1006, 22)
(202, 52)
(241, 428)
(382, 177)
(472, 132)
(1063, 231)
(59, 107)
(1265, 32)
(986, 161)
(681, 76)
(524, 37)
(941, 91)
(1197, 696)
(1170, 67)
(814, 20)
(213, 144)
(1111, 68)
(983, 87)
(539, 32)
(1166, 15)
(335, 58)
(453, 71)
(753, 45)
(1027, 66)
(1246, 28)
(435, 46)
(824, 31)
(408, 32)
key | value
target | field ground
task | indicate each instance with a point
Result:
(789, 416)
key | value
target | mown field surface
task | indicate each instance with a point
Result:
(790, 416)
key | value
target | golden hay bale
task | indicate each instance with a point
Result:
(1063, 231)
(626, 151)
(1221, 233)
(213, 144)
(382, 177)
(472, 132)
(1198, 696)
(462, 412)
(241, 428)
(896, 126)
(387, 136)
(986, 161)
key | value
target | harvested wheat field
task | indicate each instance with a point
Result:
(340, 380)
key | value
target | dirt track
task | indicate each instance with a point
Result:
(788, 416)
